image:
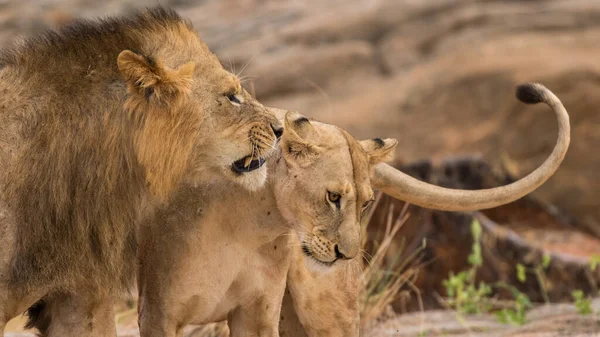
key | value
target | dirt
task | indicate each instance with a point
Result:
(555, 320)
(545, 321)
(438, 75)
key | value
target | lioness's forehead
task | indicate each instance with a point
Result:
(360, 167)
(331, 137)
(345, 160)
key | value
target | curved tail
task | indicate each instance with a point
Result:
(404, 187)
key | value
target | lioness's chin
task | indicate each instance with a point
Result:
(318, 266)
(315, 263)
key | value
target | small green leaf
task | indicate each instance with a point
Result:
(476, 230)
(594, 262)
(475, 258)
(521, 275)
(545, 261)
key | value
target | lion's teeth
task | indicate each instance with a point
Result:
(248, 161)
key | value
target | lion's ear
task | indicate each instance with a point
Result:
(295, 142)
(148, 78)
(379, 150)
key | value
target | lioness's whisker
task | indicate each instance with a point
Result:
(247, 77)
(245, 65)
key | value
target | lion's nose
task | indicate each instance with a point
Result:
(338, 254)
(277, 130)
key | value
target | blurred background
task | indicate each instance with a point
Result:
(438, 75)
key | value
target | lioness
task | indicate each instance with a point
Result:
(99, 121)
(217, 254)
(224, 253)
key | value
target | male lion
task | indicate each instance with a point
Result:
(217, 254)
(100, 122)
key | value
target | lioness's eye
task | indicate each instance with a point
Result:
(334, 198)
(235, 99)
(366, 204)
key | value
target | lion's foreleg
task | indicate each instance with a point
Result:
(14, 300)
(80, 315)
(157, 319)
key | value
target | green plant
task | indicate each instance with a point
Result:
(582, 303)
(465, 296)
(516, 314)
(463, 293)
(539, 272)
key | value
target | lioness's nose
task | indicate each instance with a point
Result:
(277, 130)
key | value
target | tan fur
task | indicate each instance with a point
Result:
(100, 123)
(217, 254)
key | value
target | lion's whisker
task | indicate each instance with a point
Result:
(267, 144)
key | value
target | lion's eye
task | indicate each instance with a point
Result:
(235, 99)
(334, 198)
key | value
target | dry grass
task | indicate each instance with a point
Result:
(386, 274)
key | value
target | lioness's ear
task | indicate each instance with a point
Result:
(295, 141)
(148, 78)
(379, 150)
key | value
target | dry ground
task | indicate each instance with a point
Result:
(557, 320)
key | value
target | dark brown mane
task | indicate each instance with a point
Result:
(80, 186)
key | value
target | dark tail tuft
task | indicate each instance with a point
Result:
(530, 93)
(38, 317)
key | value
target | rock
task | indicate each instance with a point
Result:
(304, 68)
(545, 321)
